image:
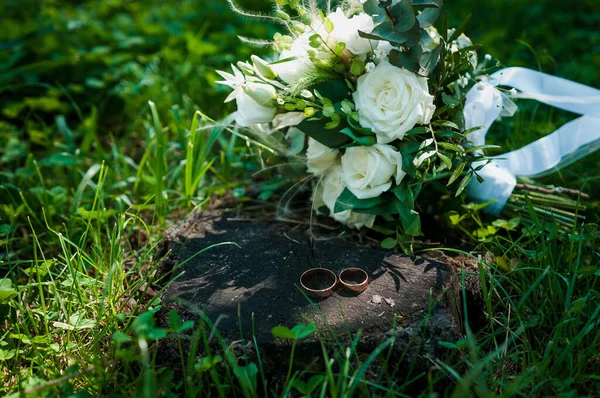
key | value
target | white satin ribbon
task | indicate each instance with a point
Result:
(572, 141)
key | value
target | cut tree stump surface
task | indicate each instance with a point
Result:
(261, 277)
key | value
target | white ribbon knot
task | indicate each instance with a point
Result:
(572, 141)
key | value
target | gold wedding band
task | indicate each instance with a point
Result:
(315, 273)
(349, 276)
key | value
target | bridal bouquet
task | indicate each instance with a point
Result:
(383, 102)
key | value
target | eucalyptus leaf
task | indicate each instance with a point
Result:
(430, 14)
(403, 15)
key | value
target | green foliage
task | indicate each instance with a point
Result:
(84, 160)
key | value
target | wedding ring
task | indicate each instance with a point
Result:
(318, 273)
(354, 279)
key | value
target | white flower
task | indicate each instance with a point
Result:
(368, 170)
(391, 100)
(383, 51)
(320, 158)
(326, 194)
(254, 100)
(298, 63)
(345, 30)
(464, 41)
(370, 67)
(250, 112)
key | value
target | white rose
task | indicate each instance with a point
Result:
(255, 104)
(391, 101)
(345, 30)
(320, 158)
(326, 194)
(368, 170)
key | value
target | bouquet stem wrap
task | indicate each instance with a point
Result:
(571, 142)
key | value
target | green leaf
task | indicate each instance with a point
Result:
(6, 290)
(156, 334)
(378, 206)
(186, 325)
(389, 243)
(302, 331)
(577, 306)
(463, 184)
(328, 25)
(450, 100)
(403, 15)
(410, 220)
(334, 90)
(426, 3)
(314, 382)
(481, 147)
(328, 110)
(451, 147)
(174, 320)
(121, 338)
(461, 28)
(446, 160)
(301, 386)
(445, 123)
(456, 174)
(405, 194)
(246, 376)
(447, 344)
(410, 59)
(316, 129)
(5, 355)
(418, 130)
(429, 60)
(358, 67)
(430, 14)
(364, 140)
(282, 332)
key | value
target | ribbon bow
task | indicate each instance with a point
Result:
(571, 142)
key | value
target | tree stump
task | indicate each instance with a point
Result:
(253, 286)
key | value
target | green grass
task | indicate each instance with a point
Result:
(102, 147)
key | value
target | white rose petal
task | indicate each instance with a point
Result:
(320, 158)
(368, 170)
(326, 194)
(391, 101)
(345, 30)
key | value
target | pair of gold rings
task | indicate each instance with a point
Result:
(353, 279)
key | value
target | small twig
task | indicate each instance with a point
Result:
(556, 190)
